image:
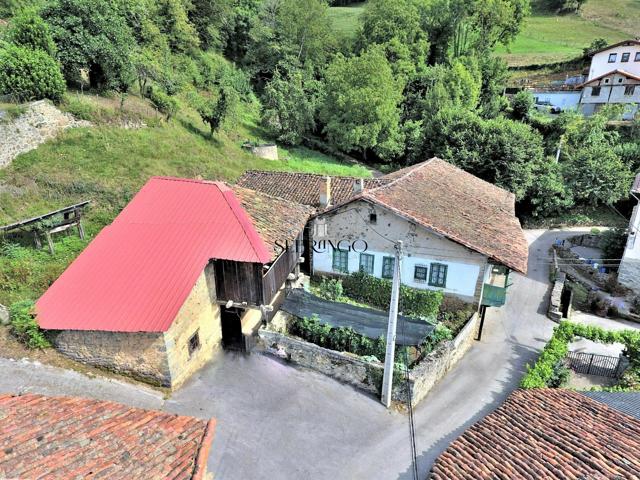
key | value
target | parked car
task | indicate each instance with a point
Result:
(546, 106)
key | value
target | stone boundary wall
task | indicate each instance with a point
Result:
(40, 122)
(555, 302)
(591, 240)
(368, 375)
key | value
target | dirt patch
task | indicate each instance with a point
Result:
(12, 349)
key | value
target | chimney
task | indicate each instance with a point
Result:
(325, 193)
(358, 186)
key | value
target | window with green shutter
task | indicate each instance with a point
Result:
(420, 273)
(387, 267)
(340, 260)
(438, 276)
(366, 263)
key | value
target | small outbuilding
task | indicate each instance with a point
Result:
(187, 267)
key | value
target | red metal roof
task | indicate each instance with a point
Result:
(138, 271)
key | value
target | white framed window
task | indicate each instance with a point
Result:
(387, 267)
(625, 57)
(366, 263)
(613, 57)
(340, 260)
(420, 273)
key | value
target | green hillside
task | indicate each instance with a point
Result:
(107, 164)
(546, 38)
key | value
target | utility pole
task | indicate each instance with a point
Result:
(387, 381)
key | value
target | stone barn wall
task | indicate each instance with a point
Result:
(160, 358)
(139, 355)
(201, 314)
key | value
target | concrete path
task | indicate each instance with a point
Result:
(279, 422)
(366, 321)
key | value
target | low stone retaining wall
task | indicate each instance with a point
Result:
(368, 375)
(268, 151)
(591, 240)
(40, 122)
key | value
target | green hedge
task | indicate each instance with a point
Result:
(548, 368)
(377, 292)
(25, 327)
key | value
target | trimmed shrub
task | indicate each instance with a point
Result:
(25, 327)
(29, 74)
(377, 292)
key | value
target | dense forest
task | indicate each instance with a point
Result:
(420, 78)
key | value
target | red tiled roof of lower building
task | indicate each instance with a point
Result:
(277, 221)
(545, 434)
(458, 205)
(69, 437)
(303, 188)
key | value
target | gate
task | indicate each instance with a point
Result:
(593, 364)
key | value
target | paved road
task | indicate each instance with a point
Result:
(366, 321)
(278, 422)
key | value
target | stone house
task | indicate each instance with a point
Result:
(187, 267)
(460, 233)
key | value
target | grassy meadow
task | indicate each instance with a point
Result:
(107, 164)
(546, 37)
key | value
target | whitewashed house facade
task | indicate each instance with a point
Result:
(629, 271)
(614, 78)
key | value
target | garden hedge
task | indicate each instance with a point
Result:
(377, 292)
(29, 74)
(544, 372)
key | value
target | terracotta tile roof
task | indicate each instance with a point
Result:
(302, 188)
(545, 434)
(458, 205)
(276, 220)
(67, 437)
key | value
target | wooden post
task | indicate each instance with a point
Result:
(80, 229)
(49, 242)
(36, 237)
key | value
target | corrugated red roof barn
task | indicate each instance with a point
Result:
(138, 271)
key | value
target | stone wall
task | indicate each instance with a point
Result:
(200, 314)
(341, 366)
(437, 364)
(40, 122)
(268, 152)
(629, 274)
(586, 240)
(555, 302)
(368, 375)
(581, 271)
(139, 355)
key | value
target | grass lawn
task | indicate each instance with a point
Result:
(548, 38)
(346, 20)
(108, 164)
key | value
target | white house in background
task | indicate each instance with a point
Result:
(460, 233)
(629, 272)
(614, 78)
(620, 56)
